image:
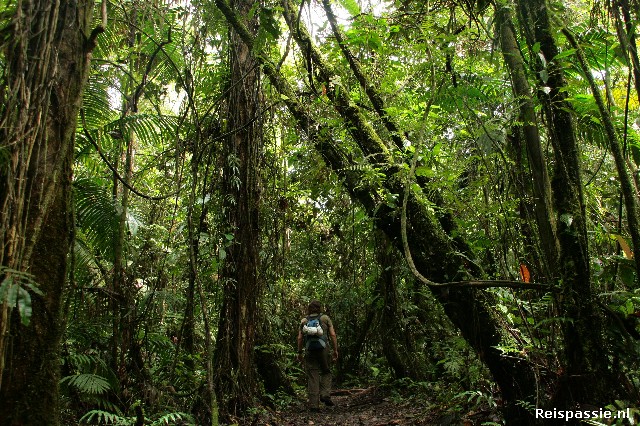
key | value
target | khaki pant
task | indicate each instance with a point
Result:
(318, 376)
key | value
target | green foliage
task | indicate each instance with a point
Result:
(173, 419)
(351, 6)
(103, 417)
(88, 383)
(96, 214)
(479, 398)
(14, 291)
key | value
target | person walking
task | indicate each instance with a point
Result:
(314, 334)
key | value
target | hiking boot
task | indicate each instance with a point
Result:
(327, 401)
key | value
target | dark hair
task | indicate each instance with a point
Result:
(315, 307)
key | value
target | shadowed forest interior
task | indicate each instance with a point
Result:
(457, 181)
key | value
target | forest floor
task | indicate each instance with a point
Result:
(371, 407)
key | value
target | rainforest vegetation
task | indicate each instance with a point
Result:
(456, 180)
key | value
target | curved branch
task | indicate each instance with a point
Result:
(519, 285)
(138, 91)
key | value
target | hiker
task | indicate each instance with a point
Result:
(314, 333)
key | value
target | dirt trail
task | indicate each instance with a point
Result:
(366, 407)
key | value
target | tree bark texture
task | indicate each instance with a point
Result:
(47, 63)
(237, 330)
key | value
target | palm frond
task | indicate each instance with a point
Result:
(97, 215)
(97, 102)
(104, 417)
(87, 383)
(149, 129)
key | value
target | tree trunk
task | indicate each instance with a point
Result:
(627, 37)
(626, 182)
(122, 302)
(46, 69)
(586, 377)
(397, 342)
(234, 353)
(538, 179)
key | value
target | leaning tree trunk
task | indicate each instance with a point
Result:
(46, 67)
(234, 353)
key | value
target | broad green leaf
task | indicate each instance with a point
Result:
(565, 53)
(424, 171)
(9, 291)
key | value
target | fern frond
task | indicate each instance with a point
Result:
(150, 129)
(173, 419)
(97, 216)
(88, 383)
(104, 417)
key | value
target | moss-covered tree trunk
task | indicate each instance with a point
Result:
(537, 178)
(397, 342)
(46, 68)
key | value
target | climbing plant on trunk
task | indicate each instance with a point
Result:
(237, 326)
(46, 67)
